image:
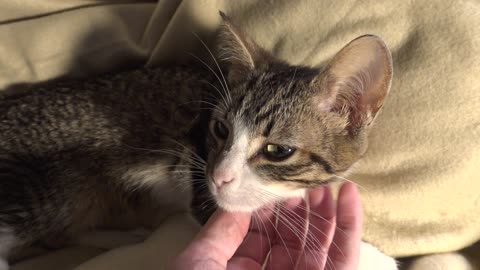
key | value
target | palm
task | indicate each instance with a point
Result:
(279, 238)
(283, 241)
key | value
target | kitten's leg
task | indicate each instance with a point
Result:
(7, 242)
(372, 259)
(27, 208)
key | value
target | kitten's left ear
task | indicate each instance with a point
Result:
(237, 51)
(357, 81)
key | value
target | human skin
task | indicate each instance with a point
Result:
(230, 240)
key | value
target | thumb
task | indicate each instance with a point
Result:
(217, 241)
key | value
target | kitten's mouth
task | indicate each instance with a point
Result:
(235, 201)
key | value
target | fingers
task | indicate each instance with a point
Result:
(252, 252)
(333, 239)
(291, 228)
(321, 229)
(332, 232)
(292, 233)
(217, 240)
(224, 231)
(348, 234)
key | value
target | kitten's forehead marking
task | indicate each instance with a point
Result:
(273, 97)
(240, 137)
(245, 142)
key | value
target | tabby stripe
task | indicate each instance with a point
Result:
(292, 173)
(319, 160)
(266, 114)
(268, 129)
(287, 95)
(285, 168)
(301, 181)
(260, 102)
(310, 182)
(240, 100)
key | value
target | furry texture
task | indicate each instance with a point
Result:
(88, 154)
(431, 115)
(323, 115)
(120, 150)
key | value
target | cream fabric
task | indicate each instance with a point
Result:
(421, 176)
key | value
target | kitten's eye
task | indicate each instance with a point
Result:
(220, 130)
(276, 152)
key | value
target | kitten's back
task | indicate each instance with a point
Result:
(65, 146)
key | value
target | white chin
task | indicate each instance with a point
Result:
(238, 207)
(248, 204)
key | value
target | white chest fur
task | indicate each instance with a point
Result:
(168, 185)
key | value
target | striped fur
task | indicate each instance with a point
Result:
(111, 151)
(324, 114)
(122, 150)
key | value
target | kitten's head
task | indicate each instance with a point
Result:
(285, 128)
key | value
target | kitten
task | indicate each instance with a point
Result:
(129, 149)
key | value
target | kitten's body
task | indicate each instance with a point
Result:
(78, 155)
(122, 150)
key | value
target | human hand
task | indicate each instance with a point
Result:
(279, 238)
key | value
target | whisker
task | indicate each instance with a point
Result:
(185, 185)
(225, 103)
(214, 73)
(207, 203)
(295, 217)
(167, 151)
(260, 221)
(309, 241)
(278, 198)
(294, 220)
(280, 236)
(348, 180)
(216, 63)
(208, 103)
(189, 150)
(214, 107)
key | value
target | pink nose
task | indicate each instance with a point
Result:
(221, 177)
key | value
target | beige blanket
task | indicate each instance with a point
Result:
(421, 176)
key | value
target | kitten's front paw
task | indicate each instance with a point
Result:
(372, 259)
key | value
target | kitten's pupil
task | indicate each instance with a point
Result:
(221, 131)
(276, 152)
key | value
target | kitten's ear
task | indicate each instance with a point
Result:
(357, 80)
(237, 51)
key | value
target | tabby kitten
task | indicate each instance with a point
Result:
(124, 150)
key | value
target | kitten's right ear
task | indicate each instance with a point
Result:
(356, 82)
(237, 51)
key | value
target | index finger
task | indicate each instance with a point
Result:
(255, 248)
(217, 240)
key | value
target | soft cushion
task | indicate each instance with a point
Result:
(420, 177)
